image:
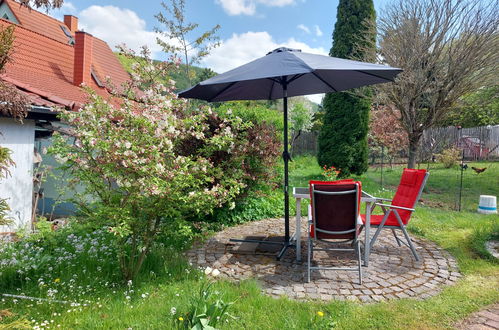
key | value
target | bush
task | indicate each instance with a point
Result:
(258, 199)
(449, 157)
(256, 205)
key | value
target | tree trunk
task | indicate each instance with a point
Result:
(413, 149)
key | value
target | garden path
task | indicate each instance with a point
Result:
(485, 319)
(392, 273)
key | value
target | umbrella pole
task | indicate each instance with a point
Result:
(286, 157)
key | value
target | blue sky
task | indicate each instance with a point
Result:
(249, 28)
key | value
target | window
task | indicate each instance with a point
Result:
(7, 14)
(68, 34)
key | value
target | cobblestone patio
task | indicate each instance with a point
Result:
(392, 273)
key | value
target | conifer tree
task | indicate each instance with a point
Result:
(343, 137)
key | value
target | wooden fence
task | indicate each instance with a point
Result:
(478, 143)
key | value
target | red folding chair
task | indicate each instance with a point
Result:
(397, 214)
(334, 212)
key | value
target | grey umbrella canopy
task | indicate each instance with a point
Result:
(283, 73)
(304, 74)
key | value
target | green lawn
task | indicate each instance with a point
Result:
(151, 301)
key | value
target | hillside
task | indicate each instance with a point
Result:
(179, 76)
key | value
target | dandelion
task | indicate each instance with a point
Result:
(181, 318)
(320, 314)
(57, 280)
(173, 311)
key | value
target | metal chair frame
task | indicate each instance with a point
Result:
(355, 241)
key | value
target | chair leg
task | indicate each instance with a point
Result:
(380, 226)
(309, 252)
(375, 237)
(396, 237)
(359, 261)
(413, 249)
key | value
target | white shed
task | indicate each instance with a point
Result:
(18, 187)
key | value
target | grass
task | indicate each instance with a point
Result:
(151, 300)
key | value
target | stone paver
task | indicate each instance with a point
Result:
(486, 319)
(393, 272)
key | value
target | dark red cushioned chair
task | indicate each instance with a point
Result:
(334, 209)
(398, 213)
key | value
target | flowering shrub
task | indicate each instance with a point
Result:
(330, 173)
(147, 159)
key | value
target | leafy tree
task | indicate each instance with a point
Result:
(343, 137)
(179, 39)
(475, 109)
(446, 48)
(14, 104)
(300, 119)
(386, 131)
(47, 4)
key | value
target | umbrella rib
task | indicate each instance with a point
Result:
(296, 76)
(271, 87)
(374, 75)
(223, 90)
(325, 82)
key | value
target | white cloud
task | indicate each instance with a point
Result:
(116, 26)
(242, 48)
(248, 7)
(303, 28)
(318, 31)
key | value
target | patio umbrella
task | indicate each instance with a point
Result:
(283, 73)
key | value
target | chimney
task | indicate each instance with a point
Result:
(71, 22)
(82, 58)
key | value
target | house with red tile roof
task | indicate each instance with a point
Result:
(50, 62)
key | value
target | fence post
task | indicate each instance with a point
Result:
(462, 171)
(382, 153)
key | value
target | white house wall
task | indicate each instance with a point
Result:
(18, 188)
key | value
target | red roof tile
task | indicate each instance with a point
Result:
(43, 60)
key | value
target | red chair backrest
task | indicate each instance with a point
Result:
(409, 190)
(335, 213)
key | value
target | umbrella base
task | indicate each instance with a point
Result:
(285, 244)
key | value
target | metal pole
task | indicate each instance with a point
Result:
(462, 170)
(286, 159)
(285, 156)
(382, 153)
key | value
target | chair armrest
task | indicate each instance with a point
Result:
(364, 194)
(395, 207)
